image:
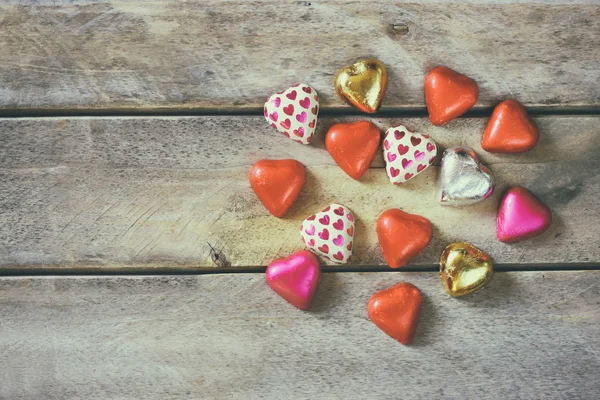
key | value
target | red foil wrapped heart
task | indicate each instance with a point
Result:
(402, 236)
(448, 94)
(396, 311)
(277, 183)
(353, 146)
(510, 130)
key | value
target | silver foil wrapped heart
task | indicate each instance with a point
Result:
(463, 178)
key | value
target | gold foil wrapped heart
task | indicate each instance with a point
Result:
(363, 84)
(464, 269)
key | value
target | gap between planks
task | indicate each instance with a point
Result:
(145, 270)
(476, 112)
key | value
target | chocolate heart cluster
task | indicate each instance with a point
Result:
(463, 180)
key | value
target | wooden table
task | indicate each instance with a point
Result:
(126, 135)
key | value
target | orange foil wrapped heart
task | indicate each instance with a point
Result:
(510, 130)
(396, 311)
(402, 236)
(448, 94)
(277, 183)
(353, 146)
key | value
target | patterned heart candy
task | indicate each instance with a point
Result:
(293, 112)
(330, 233)
(406, 153)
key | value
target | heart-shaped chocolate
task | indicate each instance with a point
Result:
(363, 84)
(448, 94)
(510, 130)
(295, 278)
(463, 179)
(353, 146)
(406, 153)
(330, 233)
(396, 311)
(402, 236)
(521, 216)
(294, 112)
(464, 269)
(277, 183)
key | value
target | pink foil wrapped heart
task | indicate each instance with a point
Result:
(521, 216)
(330, 233)
(295, 278)
(293, 112)
(406, 153)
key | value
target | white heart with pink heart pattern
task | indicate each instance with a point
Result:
(406, 153)
(330, 233)
(293, 112)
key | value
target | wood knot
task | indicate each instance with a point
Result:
(218, 258)
(399, 29)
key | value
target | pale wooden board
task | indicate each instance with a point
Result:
(140, 193)
(218, 142)
(528, 335)
(233, 54)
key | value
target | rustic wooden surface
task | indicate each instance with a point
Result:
(527, 335)
(147, 194)
(199, 142)
(74, 54)
(131, 192)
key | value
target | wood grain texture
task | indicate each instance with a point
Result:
(76, 217)
(233, 54)
(129, 193)
(198, 142)
(527, 335)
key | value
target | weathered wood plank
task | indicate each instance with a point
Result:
(146, 192)
(87, 216)
(527, 335)
(199, 142)
(233, 54)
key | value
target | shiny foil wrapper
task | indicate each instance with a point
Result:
(463, 178)
(464, 269)
(363, 84)
(295, 278)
